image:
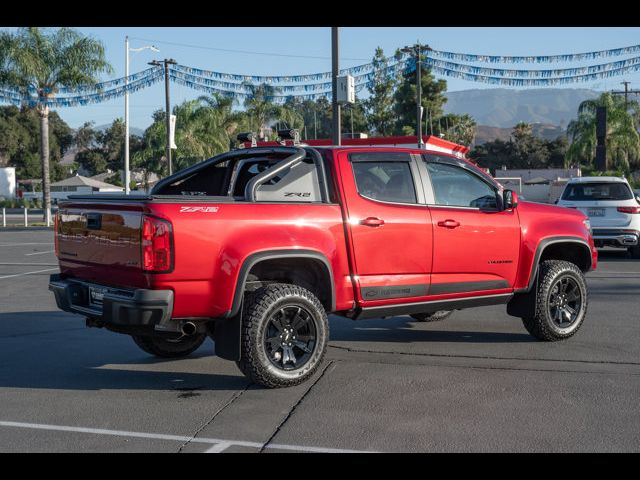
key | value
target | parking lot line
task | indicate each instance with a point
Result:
(219, 447)
(218, 444)
(39, 253)
(21, 244)
(29, 273)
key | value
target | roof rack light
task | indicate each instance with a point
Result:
(289, 134)
(247, 137)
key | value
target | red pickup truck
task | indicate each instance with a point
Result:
(256, 246)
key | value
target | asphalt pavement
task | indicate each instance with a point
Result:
(476, 382)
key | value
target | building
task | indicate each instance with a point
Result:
(537, 184)
(81, 185)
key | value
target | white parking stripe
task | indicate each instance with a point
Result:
(219, 447)
(20, 244)
(219, 444)
(39, 253)
(29, 273)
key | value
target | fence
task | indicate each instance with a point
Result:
(20, 217)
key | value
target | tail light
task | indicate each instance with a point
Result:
(629, 209)
(56, 223)
(156, 245)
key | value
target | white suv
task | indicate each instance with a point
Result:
(612, 207)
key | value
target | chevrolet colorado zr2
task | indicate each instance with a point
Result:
(254, 247)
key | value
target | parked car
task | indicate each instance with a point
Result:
(256, 246)
(613, 209)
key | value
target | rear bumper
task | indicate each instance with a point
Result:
(119, 307)
(619, 237)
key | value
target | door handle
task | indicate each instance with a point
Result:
(449, 223)
(372, 222)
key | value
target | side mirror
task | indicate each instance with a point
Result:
(509, 199)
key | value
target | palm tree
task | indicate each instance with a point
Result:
(259, 105)
(38, 63)
(623, 141)
(204, 128)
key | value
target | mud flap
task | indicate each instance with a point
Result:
(227, 336)
(523, 305)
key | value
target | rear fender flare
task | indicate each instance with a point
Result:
(258, 257)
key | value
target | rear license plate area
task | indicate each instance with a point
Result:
(96, 295)
(595, 212)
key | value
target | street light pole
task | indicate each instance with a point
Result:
(126, 118)
(127, 174)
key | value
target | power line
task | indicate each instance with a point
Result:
(246, 52)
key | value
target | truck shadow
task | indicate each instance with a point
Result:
(405, 329)
(69, 357)
(615, 255)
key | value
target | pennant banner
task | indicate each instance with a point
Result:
(246, 87)
(74, 101)
(563, 72)
(318, 85)
(277, 99)
(529, 82)
(572, 57)
(86, 88)
(273, 79)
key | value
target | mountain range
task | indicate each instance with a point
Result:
(504, 108)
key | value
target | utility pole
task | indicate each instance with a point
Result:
(416, 50)
(335, 70)
(626, 93)
(167, 62)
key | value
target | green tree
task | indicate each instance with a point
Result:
(259, 106)
(460, 129)
(379, 106)
(39, 62)
(522, 150)
(433, 100)
(20, 146)
(85, 136)
(623, 141)
(357, 113)
(204, 128)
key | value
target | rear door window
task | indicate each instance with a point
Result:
(384, 176)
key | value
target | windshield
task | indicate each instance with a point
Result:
(597, 191)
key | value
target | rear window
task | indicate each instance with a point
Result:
(597, 191)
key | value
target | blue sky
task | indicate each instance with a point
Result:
(357, 45)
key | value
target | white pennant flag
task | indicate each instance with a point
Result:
(172, 131)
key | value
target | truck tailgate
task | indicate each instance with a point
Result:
(101, 242)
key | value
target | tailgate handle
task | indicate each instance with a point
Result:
(94, 221)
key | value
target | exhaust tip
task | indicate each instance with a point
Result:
(189, 328)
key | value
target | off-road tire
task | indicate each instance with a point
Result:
(432, 317)
(258, 309)
(168, 348)
(541, 325)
